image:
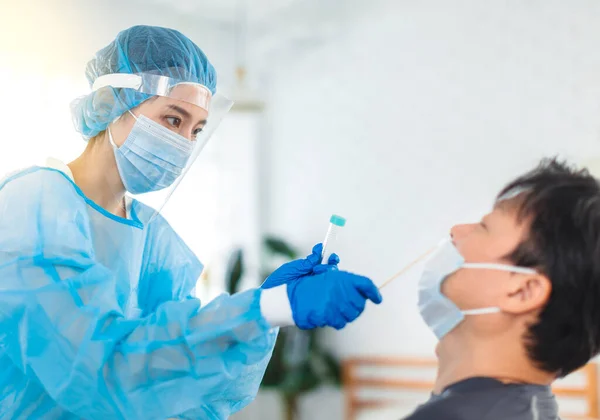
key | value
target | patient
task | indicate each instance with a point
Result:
(529, 305)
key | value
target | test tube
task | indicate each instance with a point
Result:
(335, 224)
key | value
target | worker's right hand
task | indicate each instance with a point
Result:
(333, 298)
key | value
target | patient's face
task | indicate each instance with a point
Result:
(490, 241)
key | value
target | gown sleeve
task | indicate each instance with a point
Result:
(61, 324)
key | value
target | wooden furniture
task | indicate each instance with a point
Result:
(356, 379)
(587, 392)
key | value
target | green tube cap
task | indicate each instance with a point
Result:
(337, 220)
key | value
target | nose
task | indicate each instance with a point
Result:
(189, 133)
(185, 132)
(458, 232)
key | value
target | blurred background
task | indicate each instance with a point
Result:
(405, 117)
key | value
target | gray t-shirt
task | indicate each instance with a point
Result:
(489, 399)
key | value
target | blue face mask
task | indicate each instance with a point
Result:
(152, 157)
(440, 313)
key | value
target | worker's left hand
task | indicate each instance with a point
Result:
(297, 269)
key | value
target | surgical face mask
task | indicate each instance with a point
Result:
(439, 312)
(152, 157)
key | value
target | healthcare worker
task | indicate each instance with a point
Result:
(97, 320)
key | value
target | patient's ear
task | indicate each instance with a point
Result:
(525, 293)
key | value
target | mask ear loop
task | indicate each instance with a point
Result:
(501, 267)
(132, 114)
(110, 138)
(115, 148)
(481, 311)
(406, 268)
(494, 266)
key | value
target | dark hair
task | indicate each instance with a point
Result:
(561, 204)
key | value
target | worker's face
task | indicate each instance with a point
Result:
(519, 296)
(178, 116)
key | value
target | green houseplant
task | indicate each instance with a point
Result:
(299, 364)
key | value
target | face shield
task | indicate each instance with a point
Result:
(154, 160)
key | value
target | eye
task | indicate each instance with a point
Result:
(174, 121)
(197, 131)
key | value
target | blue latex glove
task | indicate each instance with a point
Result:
(332, 298)
(297, 269)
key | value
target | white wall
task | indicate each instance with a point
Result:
(412, 121)
(43, 55)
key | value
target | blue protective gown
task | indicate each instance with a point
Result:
(96, 317)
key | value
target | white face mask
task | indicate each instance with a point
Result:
(439, 312)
